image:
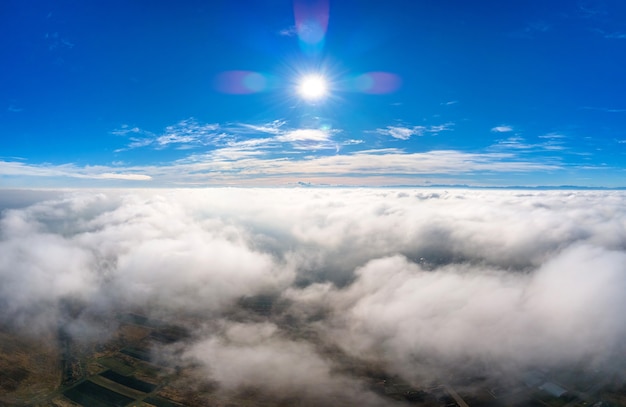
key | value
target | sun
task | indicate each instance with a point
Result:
(313, 87)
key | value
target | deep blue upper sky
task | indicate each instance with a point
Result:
(156, 93)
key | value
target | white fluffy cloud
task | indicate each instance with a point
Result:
(255, 355)
(563, 313)
(129, 250)
(415, 280)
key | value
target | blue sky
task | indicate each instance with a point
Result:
(164, 94)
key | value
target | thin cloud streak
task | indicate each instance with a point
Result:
(405, 133)
(9, 168)
(554, 142)
(243, 162)
(502, 129)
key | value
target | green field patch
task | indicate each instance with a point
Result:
(136, 319)
(117, 365)
(169, 334)
(137, 353)
(148, 370)
(117, 387)
(129, 381)
(157, 401)
(90, 394)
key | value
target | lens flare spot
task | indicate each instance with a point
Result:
(377, 83)
(311, 24)
(240, 82)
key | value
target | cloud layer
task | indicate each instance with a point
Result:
(420, 283)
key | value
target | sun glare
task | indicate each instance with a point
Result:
(313, 87)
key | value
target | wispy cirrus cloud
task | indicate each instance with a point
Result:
(515, 142)
(274, 127)
(282, 133)
(308, 139)
(604, 109)
(14, 109)
(305, 135)
(532, 30)
(243, 139)
(191, 134)
(291, 31)
(406, 132)
(132, 132)
(549, 142)
(610, 34)
(553, 141)
(616, 35)
(502, 129)
(553, 136)
(186, 134)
